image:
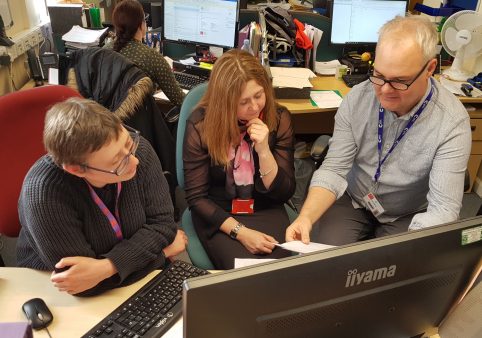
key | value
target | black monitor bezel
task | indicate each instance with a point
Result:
(197, 43)
(410, 240)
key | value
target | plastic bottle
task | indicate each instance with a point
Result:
(247, 47)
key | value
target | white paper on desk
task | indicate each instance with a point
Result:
(292, 72)
(299, 246)
(326, 67)
(326, 98)
(161, 96)
(189, 61)
(282, 81)
(454, 87)
(79, 34)
(242, 262)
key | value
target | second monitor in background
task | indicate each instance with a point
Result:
(201, 23)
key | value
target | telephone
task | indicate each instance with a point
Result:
(35, 69)
(48, 60)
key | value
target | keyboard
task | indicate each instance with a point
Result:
(152, 310)
(189, 81)
(354, 79)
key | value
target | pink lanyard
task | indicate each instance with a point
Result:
(114, 221)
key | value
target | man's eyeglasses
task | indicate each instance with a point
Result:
(135, 135)
(396, 84)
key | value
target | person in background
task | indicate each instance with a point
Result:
(130, 28)
(239, 163)
(399, 150)
(97, 204)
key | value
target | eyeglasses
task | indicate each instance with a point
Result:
(146, 16)
(396, 84)
(135, 135)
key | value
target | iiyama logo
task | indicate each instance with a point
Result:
(355, 278)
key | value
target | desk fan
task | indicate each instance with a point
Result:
(462, 38)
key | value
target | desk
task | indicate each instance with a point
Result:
(73, 316)
(308, 119)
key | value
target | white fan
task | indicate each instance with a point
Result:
(462, 38)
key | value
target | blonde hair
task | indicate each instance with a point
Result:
(76, 127)
(230, 74)
(418, 28)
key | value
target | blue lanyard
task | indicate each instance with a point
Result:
(381, 118)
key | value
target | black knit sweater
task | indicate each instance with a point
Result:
(60, 219)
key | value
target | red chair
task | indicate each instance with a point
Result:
(22, 117)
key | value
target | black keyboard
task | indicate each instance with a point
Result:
(152, 310)
(189, 81)
(354, 79)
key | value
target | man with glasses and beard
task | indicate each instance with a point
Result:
(399, 150)
(96, 207)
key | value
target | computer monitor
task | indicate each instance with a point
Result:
(358, 21)
(395, 286)
(206, 22)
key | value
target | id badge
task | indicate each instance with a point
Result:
(240, 206)
(373, 204)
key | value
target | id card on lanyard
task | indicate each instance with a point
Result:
(113, 220)
(370, 199)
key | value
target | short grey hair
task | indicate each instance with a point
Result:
(417, 27)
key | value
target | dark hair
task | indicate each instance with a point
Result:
(127, 17)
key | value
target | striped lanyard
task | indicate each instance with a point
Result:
(114, 221)
(381, 117)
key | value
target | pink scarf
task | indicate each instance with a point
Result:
(240, 174)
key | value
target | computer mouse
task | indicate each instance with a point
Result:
(37, 313)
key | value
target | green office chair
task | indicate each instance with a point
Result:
(196, 251)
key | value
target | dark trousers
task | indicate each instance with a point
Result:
(343, 224)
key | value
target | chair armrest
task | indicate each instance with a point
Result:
(320, 148)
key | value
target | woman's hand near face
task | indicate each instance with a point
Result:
(258, 133)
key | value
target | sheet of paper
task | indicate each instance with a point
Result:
(454, 87)
(242, 262)
(159, 95)
(293, 72)
(82, 35)
(189, 61)
(298, 246)
(53, 76)
(326, 67)
(326, 98)
(176, 331)
(282, 81)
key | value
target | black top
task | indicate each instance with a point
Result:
(60, 219)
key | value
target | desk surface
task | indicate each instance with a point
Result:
(73, 316)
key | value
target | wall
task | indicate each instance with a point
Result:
(23, 19)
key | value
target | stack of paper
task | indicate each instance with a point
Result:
(294, 77)
(326, 67)
(79, 37)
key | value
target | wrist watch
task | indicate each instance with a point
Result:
(234, 231)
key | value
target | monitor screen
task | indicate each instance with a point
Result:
(358, 21)
(395, 286)
(206, 22)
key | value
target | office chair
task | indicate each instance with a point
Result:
(196, 251)
(22, 116)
